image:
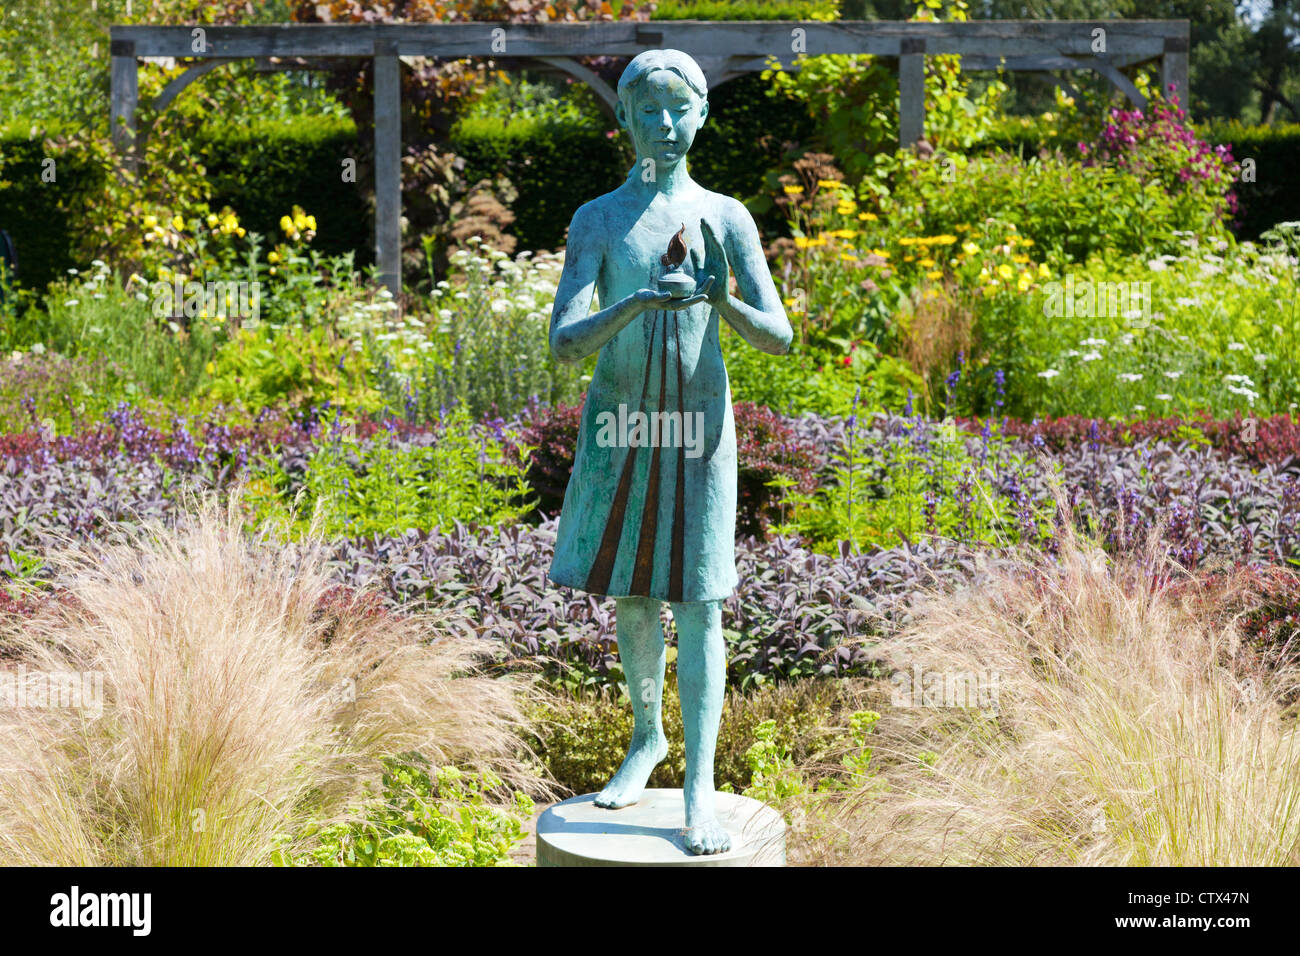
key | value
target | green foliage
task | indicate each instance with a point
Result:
(384, 485)
(854, 99)
(267, 366)
(426, 816)
(902, 488)
(777, 777)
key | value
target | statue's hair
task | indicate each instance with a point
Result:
(675, 61)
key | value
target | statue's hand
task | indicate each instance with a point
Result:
(716, 270)
(653, 299)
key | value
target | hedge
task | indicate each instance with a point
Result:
(265, 168)
(1273, 197)
(40, 216)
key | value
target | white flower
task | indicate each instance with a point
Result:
(1261, 358)
(1092, 356)
(1139, 408)
(1173, 374)
(500, 305)
(1238, 378)
(1093, 342)
(1130, 376)
(1048, 373)
(1235, 347)
(1186, 303)
(1165, 397)
(71, 302)
(1156, 265)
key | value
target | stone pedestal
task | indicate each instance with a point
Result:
(649, 833)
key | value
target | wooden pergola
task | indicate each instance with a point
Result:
(724, 49)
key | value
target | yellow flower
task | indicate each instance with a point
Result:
(845, 209)
(150, 221)
(848, 257)
(908, 258)
(271, 270)
(1005, 271)
(311, 223)
(1043, 271)
(178, 223)
(884, 254)
(828, 184)
(907, 241)
(1023, 282)
(286, 224)
(273, 256)
(1021, 259)
(969, 248)
(868, 216)
(801, 242)
(789, 191)
(926, 263)
(943, 240)
(1026, 242)
(239, 231)
(934, 274)
(210, 368)
(843, 233)
(212, 220)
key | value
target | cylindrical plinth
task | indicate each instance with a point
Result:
(650, 833)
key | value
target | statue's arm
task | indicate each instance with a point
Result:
(760, 318)
(576, 332)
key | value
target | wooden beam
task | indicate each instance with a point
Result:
(911, 92)
(627, 38)
(388, 165)
(1173, 71)
(123, 96)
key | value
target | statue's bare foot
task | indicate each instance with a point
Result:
(704, 834)
(707, 837)
(626, 787)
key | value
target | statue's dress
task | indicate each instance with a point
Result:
(653, 521)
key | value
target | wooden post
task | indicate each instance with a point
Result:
(124, 92)
(388, 166)
(911, 90)
(1173, 71)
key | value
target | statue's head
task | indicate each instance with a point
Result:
(662, 102)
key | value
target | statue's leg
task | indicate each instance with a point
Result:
(701, 679)
(641, 652)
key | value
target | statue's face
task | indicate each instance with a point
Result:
(663, 117)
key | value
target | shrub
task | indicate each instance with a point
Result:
(389, 484)
(223, 721)
(1125, 730)
(426, 816)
